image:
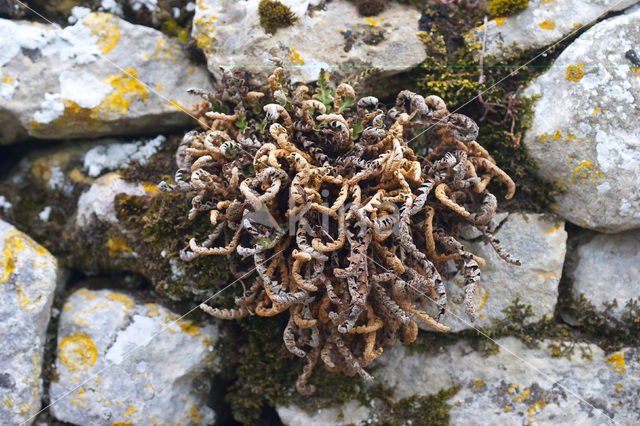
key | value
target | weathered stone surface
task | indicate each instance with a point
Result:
(606, 268)
(350, 413)
(123, 361)
(332, 36)
(100, 76)
(96, 206)
(28, 275)
(542, 23)
(539, 242)
(584, 134)
(516, 386)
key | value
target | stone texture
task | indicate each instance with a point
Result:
(584, 132)
(542, 23)
(100, 76)
(350, 413)
(517, 386)
(332, 36)
(120, 360)
(606, 268)
(28, 275)
(539, 242)
(96, 206)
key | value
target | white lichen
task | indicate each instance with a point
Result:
(113, 156)
(45, 214)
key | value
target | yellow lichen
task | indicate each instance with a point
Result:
(295, 56)
(129, 412)
(485, 298)
(78, 352)
(117, 246)
(122, 298)
(126, 89)
(535, 409)
(523, 396)
(153, 310)
(554, 229)
(194, 415)
(500, 21)
(586, 171)
(617, 362)
(547, 25)
(166, 50)
(373, 22)
(575, 73)
(101, 25)
(150, 187)
(15, 243)
(479, 383)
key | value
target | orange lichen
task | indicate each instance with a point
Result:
(617, 362)
(547, 25)
(101, 25)
(78, 352)
(574, 72)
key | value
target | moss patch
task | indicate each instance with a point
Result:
(506, 7)
(274, 15)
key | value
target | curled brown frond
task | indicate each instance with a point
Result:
(346, 228)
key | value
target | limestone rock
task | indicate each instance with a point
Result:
(28, 275)
(542, 23)
(606, 268)
(518, 385)
(539, 242)
(100, 76)
(332, 36)
(584, 135)
(120, 360)
(96, 206)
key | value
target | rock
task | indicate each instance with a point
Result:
(607, 268)
(96, 205)
(584, 135)
(120, 360)
(101, 76)
(350, 413)
(541, 24)
(539, 242)
(332, 36)
(518, 385)
(28, 276)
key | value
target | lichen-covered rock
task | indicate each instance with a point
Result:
(100, 76)
(326, 35)
(518, 385)
(606, 268)
(539, 242)
(96, 206)
(351, 412)
(584, 134)
(28, 276)
(131, 362)
(542, 23)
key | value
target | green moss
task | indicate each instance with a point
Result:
(274, 15)
(158, 231)
(264, 374)
(611, 333)
(506, 7)
(453, 73)
(422, 410)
